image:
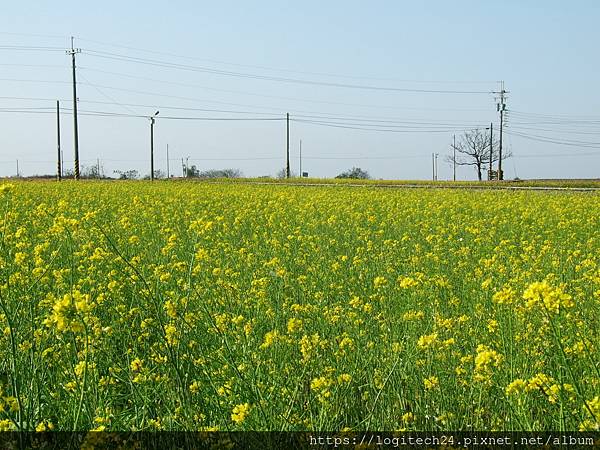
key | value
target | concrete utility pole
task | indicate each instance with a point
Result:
(59, 167)
(501, 107)
(436, 171)
(73, 51)
(287, 165)
(152, 145)
(432, 167)
(491, 148)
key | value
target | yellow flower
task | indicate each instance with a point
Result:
(406, 282)
(431, 382)
(379, 282)
(194, 387)
(344, 378)
(408, 417)
(171, 334)
(543, 295)
(240, 412)
(294, 325)
(515, 387)
(504, 296)
(427, 341)
(136, 365)
(270, 339)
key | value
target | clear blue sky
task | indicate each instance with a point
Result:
(546, 52)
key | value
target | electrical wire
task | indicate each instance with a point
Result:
(297, 99)
(582, 144)
(364, 128)
(187, 57)
(170, 65)
(31, 48)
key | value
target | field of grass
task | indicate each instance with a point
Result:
(198, 306)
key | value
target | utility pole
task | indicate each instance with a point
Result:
(300, 158)
(152, 145)
(501, 107)
(454, 156)
(182, 168)
(168, 175)
(432, 167)
(98, 167)
(287, 165)
(59, 167)
(72, 52)
(436, 171)
(17, 168)
(491, 149)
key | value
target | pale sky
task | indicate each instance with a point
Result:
(342, 64)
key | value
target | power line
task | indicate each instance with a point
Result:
(349, 118)
(517, 126)
(170, 65)
(106, 95)
(230, 91)
(182, 108)
(139, 116)
(31, 48)
(388, 129)
(191, 58)
(21, 80)
(557, 116)
(46, 66)
(570, 143)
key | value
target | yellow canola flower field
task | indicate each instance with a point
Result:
(192, 306)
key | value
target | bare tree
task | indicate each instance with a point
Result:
(473, 149)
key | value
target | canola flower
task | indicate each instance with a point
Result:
(196, 306)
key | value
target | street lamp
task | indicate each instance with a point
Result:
(152, 145)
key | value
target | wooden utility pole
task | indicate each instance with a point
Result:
(59, 166)
(287, 165)
(72, 52)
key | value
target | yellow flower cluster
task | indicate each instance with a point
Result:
(240, 412)
(543, 295)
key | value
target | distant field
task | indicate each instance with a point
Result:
(585, 183)
(554, 183)
(201, 306)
